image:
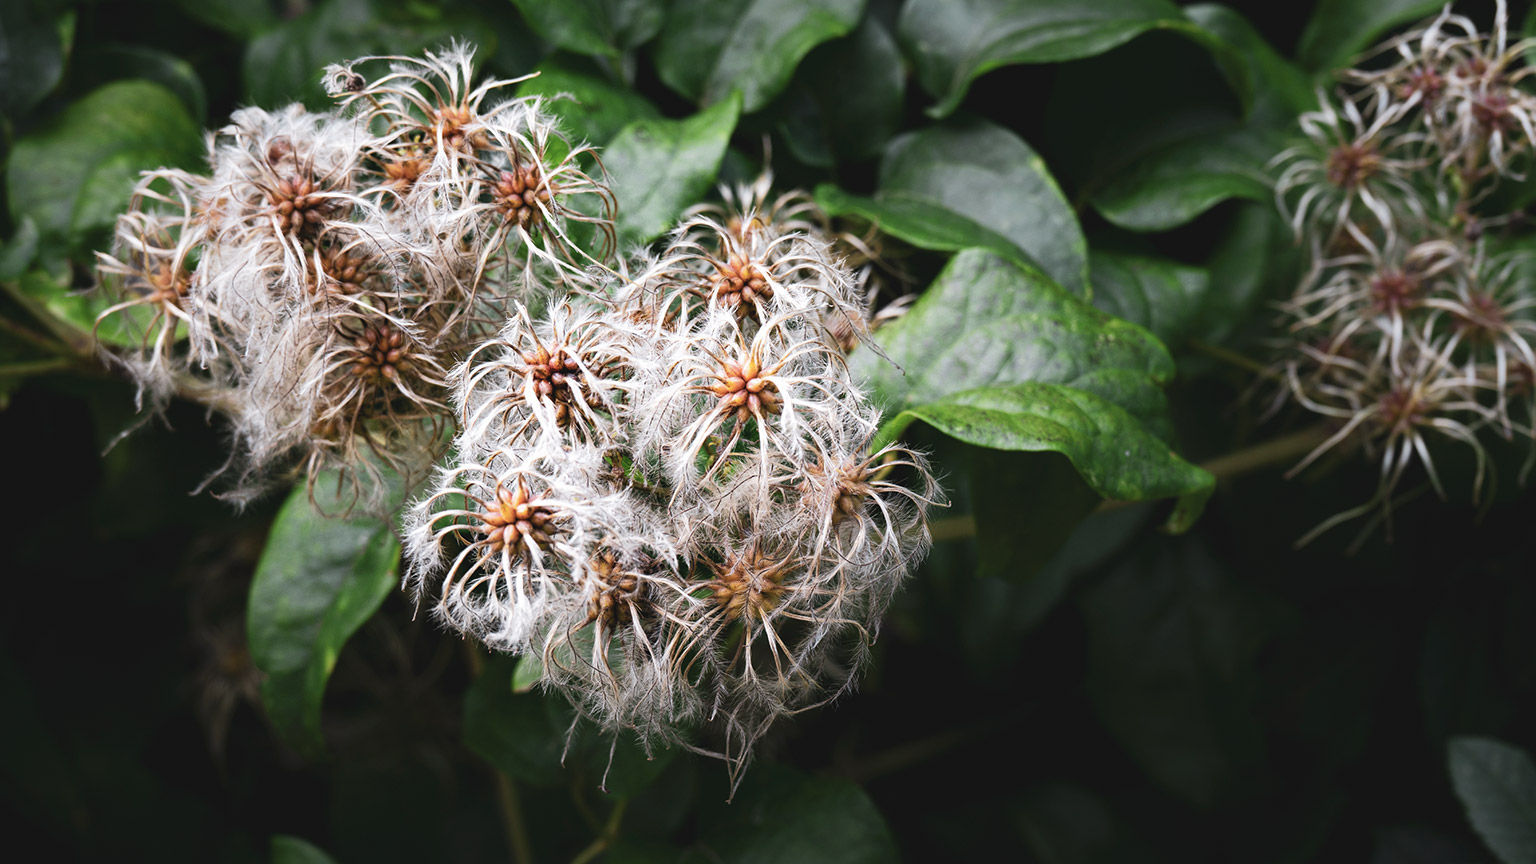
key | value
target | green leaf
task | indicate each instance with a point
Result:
(1160, 295)
(845, 101)
(709, 48)
(661, 167)
(512, 730)
(969, 183)
(527, 674)
(953, 42)
(113, 61)
(919, 223)
(1340, 29)
(1017, 535)
(1497, 785)
(599, 27)
(999, 356)
(1280, 89)
(1110, 448)
(1258, 257)
(292, 850)
(1173, 184)
(284, 64)
(781, 815)
(74, 174)
(319, 579)
(1175, 642)
(17, 254)
(241, 18)
(593, 108)
(33, 44)
(987, 322)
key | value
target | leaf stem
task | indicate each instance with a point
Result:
(35, 367)
(1226, 355)
(952, 528)
(606, 837)
(1282, 449)
(52, 346)
(1225, 467)
(512, 818)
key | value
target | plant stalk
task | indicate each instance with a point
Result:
(1225, 467)
(606, 837)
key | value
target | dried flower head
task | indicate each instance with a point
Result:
(738, 540)
(334, 266)
(1408, 331)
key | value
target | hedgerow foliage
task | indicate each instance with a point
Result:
(805, 431)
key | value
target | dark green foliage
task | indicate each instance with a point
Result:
(1113, 652)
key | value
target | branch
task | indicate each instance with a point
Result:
(609, 834)
(1226, 467)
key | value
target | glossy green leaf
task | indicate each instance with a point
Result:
(319, 579)
(285, 63)
(33, 44)
(590, 107)
(988, 322)
(919, 223)
(782, 816)
(73, 175)
(1280, 89)
(606, 27)
(953, 42)
(708, 49)
(292, 850)
(1160, 295)
(968, 182)
(999, 356)
(845, 101)
(1110, 448)
(1173, 184)
(1340, 29)
(1497, 785)
(661, 167)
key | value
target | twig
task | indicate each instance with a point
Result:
(1226, 467)
(35, 367)
(609, 834)
(512, 819)
(52, 346)
(1241, 361)
(904, 756)
(1283, 449)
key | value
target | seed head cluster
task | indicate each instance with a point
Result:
(319, 281)
(661, 485)
(1412, 323)
(663, 490)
